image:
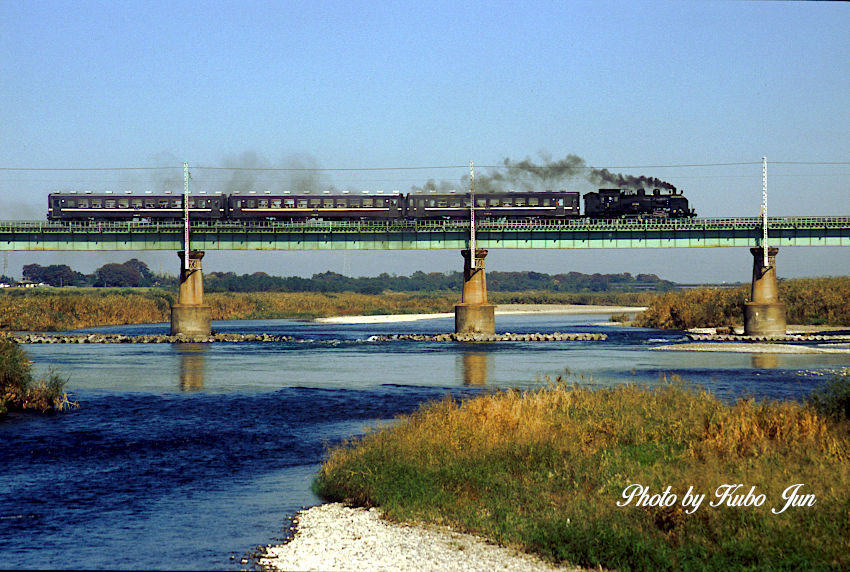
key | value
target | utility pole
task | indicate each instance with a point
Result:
(472, 216)
(764, 208)
(186, 215)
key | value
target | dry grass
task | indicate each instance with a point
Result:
(543, 470)
(808, 301)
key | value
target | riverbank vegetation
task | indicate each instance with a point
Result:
(543, 470)
(53, 309)
(20, 391)
(808, 301)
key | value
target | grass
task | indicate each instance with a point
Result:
(816, 301)
(20, 391)
(48, 309)
(543, 470)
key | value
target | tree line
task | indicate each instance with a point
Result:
(132, 273)
(135, 273)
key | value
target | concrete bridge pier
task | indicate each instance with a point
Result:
(764, 314)
(474, 315)
(190, 316)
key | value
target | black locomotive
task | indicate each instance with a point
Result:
(607, 203)
(620, 203)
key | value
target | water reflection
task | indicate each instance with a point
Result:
(474, 366)
(191, 365)
(765, 361)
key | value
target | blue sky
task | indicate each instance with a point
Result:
(637, 87)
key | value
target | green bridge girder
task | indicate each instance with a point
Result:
(407, 235)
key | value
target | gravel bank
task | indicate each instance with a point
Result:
(335, 537)
(750, 348)
(501, 310)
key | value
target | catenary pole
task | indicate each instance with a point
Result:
(472, 215)
(764, 208)
(186, 216)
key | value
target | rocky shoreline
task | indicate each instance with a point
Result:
(95, 338)
(506, 337)
(143, 339)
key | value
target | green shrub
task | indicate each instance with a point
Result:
(833, 398)
(20, 391)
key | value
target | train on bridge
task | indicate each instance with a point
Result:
(604, 204)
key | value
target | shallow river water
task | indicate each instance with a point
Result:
(190, 455)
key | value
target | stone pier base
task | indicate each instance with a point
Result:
(191, 320)
(765, 319)
(475, 318)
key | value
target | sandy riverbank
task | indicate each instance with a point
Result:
(335, 537)
(501, 310)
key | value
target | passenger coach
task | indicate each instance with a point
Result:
(558, 204)
(346, 206)
(110, 206)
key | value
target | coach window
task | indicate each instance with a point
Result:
(136, 203)
(289, 203)
(547, 202)
(454, 203)
(82, 203)
(327, 203)
(494, 202)
(560, 202)
(110, 203)
(442, 203)
(96, 203)
(302, 203)
(368, 203)
(520, 201)
(533, 201)
(263, 203)
(275, 203)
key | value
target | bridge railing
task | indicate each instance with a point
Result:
(697, 224)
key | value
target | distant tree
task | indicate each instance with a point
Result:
(33, 272)
(146, 277)
(114, 274)
(55, 275)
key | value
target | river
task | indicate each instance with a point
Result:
(190, 455)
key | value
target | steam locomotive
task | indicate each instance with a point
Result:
(606, 203)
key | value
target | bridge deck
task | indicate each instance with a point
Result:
(400, 235)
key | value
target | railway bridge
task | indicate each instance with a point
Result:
(764, 314)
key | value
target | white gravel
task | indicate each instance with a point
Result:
(336, 537)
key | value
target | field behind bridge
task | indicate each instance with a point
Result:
(54, 309)
(809, 301)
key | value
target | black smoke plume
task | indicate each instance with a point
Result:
(529, 175)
